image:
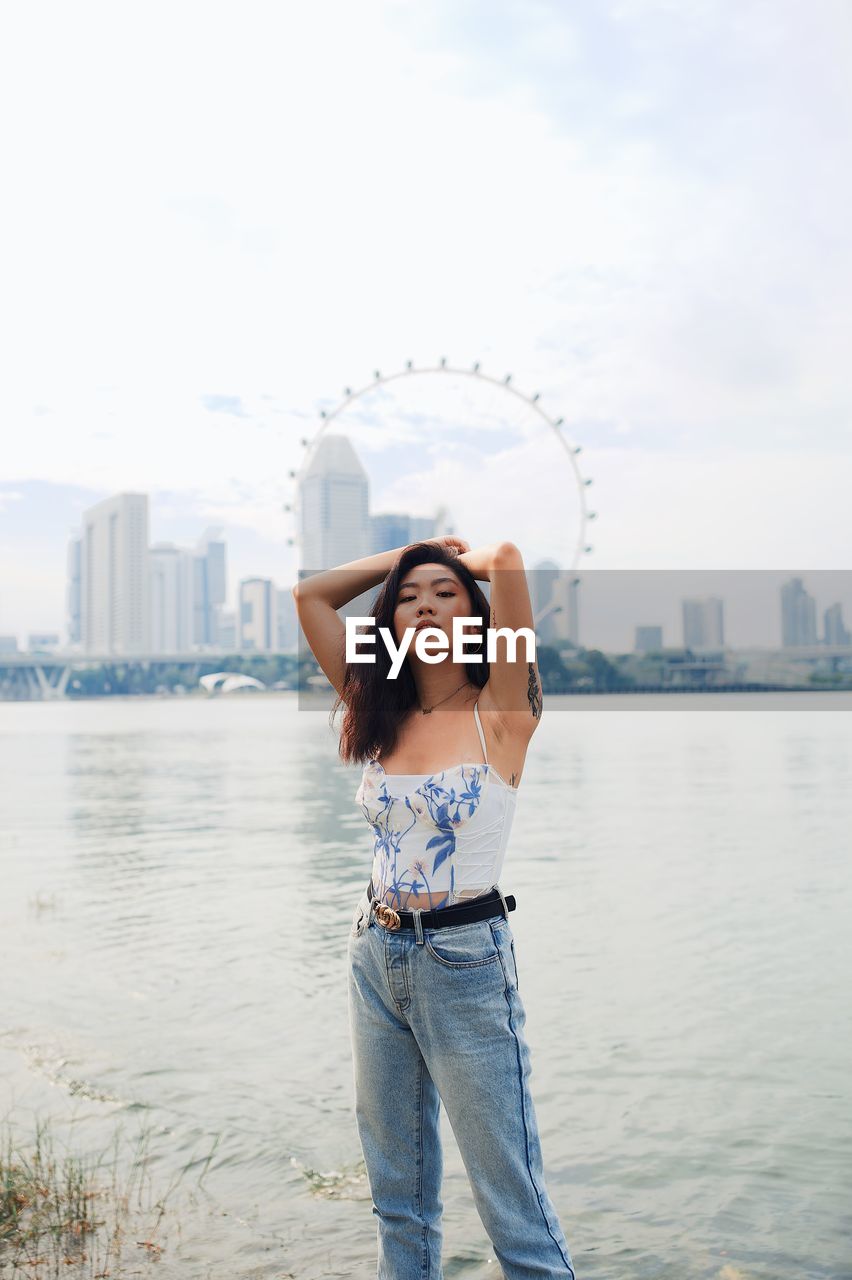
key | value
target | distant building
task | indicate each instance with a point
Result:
(42, 642)
(73, 590)
(422, 527)
(187, 594)
(114, 579)
(287, 621)
(228, 631)
(208, 587)
(333, 504)
(703, 624)
(391, 530)
(8, 644)
(648, 639)
(834, 630)
(798, 615)
(257, 615)
(171, 596)
(388, 531)
(548, 609)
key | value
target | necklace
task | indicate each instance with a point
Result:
(427, 710)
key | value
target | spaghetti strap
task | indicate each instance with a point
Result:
(479, 728)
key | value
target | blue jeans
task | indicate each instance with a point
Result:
(435, 1017)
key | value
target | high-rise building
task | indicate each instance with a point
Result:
(287, 621)
(703, 623)
(73, 590)
(648, 639)
(548, 611)
(389, 530)
(565, 597)
(422, 527)
(171, 595)
(257, 614)
(114, 580)
(798, 615)
(187, 592)
(209, 587)
(227, 642)
(396, 529)
(834, 630)
(333, 503)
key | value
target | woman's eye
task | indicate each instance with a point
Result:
(405, 599)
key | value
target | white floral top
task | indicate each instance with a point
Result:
(443, 835)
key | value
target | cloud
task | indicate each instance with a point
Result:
(224, 404)
(640, 208)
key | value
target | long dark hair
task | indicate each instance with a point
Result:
(375, 705)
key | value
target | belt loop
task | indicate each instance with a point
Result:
(418, 925)
(503, 900)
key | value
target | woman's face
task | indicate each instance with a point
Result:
(431, 593)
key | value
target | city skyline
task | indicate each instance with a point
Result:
(130, 591)
(342, 506)
(620, 611)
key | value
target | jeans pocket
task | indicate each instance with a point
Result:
(465, 946)
(515, 964)
(357, 919)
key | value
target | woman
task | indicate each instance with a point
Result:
(435, 1013)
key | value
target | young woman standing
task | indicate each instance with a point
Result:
(435, 1013)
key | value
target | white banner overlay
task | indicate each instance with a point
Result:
(438, 643)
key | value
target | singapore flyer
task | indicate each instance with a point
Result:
(461, 446)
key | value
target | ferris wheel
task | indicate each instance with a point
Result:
(491, 403)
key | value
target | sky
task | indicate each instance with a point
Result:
(216, 217)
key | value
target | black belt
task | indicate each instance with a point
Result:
(478, 909)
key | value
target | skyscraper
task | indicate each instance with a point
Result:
(834, 630)
(396, 529)
(72, 595)
(114, 586)
(257, 625)
(287, 622)
(333, 501)
(171, 598)
(798, 615)
(703, 623)
(647, 639)
(549, 611)
(208, 586)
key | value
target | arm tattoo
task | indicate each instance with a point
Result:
(533, 686)
(533, 691)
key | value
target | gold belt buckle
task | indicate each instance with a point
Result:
(386, 915)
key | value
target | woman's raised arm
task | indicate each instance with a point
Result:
(320, 596)
(336, 587)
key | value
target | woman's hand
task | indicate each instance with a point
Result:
(451, 543)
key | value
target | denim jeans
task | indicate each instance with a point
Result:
(435, 1016)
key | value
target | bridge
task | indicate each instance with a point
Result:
(42, 676)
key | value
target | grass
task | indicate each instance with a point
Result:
(68, 1218)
